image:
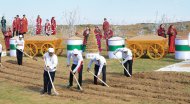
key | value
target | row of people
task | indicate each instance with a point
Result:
(51, 62)
(172, 32)
(20, 26)
(50, 28)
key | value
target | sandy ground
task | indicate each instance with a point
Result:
(144, 87)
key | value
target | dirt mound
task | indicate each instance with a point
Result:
(145, 87)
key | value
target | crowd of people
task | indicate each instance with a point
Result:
(20, 27)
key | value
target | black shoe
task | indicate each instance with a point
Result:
(103, 84)
(95, 83)
(49, 93)
(43, 92)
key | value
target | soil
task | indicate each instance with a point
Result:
(144, 87)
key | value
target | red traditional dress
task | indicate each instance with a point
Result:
(8, 35)
(172, 32)
(14, 27)
(106, 26)
(17, 25)
(38, 25)
(48, 28)
(98, 34)
(161, 32)
(86, 35)
(24, 25)
(108, 35)
(53, 26)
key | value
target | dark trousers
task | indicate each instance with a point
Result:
(19, 55)
(14, 31)
(17, 33)
(0, 57)
(96, 69)
(79, 75)
(128, 65)
(47, 82)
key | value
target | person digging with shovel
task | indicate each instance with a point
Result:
(19, 49)
(77, 66)
(51, 62)
(100, 67)
(127, 60)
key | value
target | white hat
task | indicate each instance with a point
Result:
(125, 50)
(97, 57)
(20, 36)
(75, 51)
(51, 50)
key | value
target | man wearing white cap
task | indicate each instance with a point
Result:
(127, 59)
(100, 67)
(51, 62)
(76, 67)
(19, 49)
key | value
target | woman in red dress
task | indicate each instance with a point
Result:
(161, 31)
(53, 26)
(38, 25)
(172, 32)
(86, 34)
(8, 35)
(98, 34)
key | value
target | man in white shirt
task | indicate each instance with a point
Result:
(51, 62)
(77, 66)
(1, 48)
(127, 59)
(100, 67)
(20, 49)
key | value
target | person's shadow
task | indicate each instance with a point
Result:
(11, 61)
(34, 88)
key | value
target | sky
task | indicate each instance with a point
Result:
(93, 11)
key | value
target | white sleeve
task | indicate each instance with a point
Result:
(127, 58)
(80, 61)
(90, 63)
(45, 61)
(100, 68)
(55, 61)
(68, 59)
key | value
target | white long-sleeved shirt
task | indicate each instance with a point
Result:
(50, 61)
(126, 56)
(20, 44)
(77, 60)
(1, 48)
(100, 63)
